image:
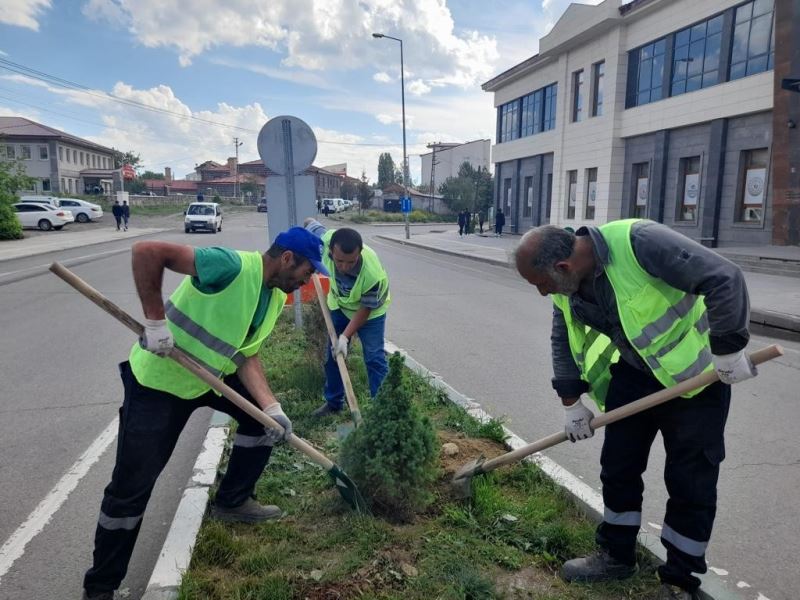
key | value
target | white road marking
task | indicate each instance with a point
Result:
(720, 572)
(743, 584)
(66, 262)
(761, 596)
(14, 546)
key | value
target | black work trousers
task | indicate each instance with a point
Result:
(693, 432)
(150, 422)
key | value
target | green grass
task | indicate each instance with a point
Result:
(378, 216)
(518, 524)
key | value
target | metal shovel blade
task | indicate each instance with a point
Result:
(461, 484)
(348, 490)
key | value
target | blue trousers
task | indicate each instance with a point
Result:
(371, 336)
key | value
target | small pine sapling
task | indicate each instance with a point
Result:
(393, 455)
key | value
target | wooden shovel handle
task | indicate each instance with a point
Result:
(642, 404)
(352, 403)
(190, 364)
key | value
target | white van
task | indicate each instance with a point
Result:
(206, 216)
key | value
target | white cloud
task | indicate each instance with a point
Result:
(3, 53)
(388, 119)
(382, 77)
(23, 13)
(313, 35)
(294, 76)
(418, 88)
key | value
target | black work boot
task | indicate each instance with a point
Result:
(673, 592)
(325, 410)
(248, 512)
(597, 566)
(97, 596)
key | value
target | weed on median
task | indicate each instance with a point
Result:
(507, 541)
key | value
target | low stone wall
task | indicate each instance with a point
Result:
(183, 200)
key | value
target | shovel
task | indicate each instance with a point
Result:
(462, 480)
(346, 487)
(352, 403)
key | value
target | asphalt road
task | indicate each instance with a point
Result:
(484, 330)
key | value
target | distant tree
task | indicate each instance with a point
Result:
(249, 185)
(152, 175)
(126, 158)
(12, 179)
(349, 190)
(473, 189)
(365, 193)
(458, 193)
(386, 170)
(135, 186)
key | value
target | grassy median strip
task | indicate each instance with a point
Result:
(506, 542)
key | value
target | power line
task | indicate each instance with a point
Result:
(71, 85)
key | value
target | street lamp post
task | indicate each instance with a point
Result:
(403, 104)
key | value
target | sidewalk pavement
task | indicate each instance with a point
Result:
(774, 300)
(56, 241)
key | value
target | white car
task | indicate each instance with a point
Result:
(203, 215)
(82, 210)
(42, 216)
(54, 200)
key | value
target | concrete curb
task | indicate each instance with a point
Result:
(176, 553)
(763, 317)
(713, 588)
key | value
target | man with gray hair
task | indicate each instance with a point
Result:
(639, 307)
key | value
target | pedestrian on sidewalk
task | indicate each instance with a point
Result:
(481, 219)
(221, 313)
(326, 208)
(126, 213)
(358, 300)
(462, 221)
(637, 308)
(467, 222)
(200, 197)
(116, 210)
(499, 222)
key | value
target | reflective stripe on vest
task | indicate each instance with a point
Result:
(668, 328)
(212, 329)
(372, 273)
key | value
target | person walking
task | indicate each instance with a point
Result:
(462, 221)
(220, 314)
(638, 307)
(326, 208)
(126, 213)
(481, 219)
(200, 197)
(116, 210)
(358, 300)
(499, 222)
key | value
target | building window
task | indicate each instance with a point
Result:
(572, 190)
(549, 196)
(43, 153)
(75, 156)
(507, 195)
(528, 206)
(81, 155)
(641, 189)
(577, 96)
(689, 189)
(647, 69)
(695, 62)
(25, 152)
(509, 121)
(550, 94)
(61, 154)
(63, 187)
(11, 152)
(591, 192)
(753, 39)
(532, 113)
(598, 73)
(69, 183)
(94, 161)
(752, 197)
(45, 185)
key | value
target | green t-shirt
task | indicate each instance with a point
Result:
(216, 268)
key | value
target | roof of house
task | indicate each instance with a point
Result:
(22, 127)
(211, 164)
(270, 173)
(175, 184)
(242, 178)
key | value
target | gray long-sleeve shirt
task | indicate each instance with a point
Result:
(681, 263)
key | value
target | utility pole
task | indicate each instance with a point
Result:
(236, 144)
(433, 146)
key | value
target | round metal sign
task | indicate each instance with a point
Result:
(287, 145)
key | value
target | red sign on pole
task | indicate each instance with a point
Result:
(128, 172)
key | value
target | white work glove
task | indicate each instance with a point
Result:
(576, 422)
(273, 435)
(733, 368)
(156, 337)
(341, 345)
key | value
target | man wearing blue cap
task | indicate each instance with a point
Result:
(220, 314)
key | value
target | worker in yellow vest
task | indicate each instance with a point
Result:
(358, 300)
(220, 314)
(639, 307)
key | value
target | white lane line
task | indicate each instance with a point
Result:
(66, 262)
(14, 546)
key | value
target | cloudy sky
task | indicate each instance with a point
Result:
(177, 81)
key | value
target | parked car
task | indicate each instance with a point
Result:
(42, 215)
(53, 200)
(82, 210)
(203, 215)
(262, 205)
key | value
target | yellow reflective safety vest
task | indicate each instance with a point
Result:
(667, 327)
(212, 329)
(372, 273)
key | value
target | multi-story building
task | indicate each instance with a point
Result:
(656, 108)
(57, 161)
(445, 158)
